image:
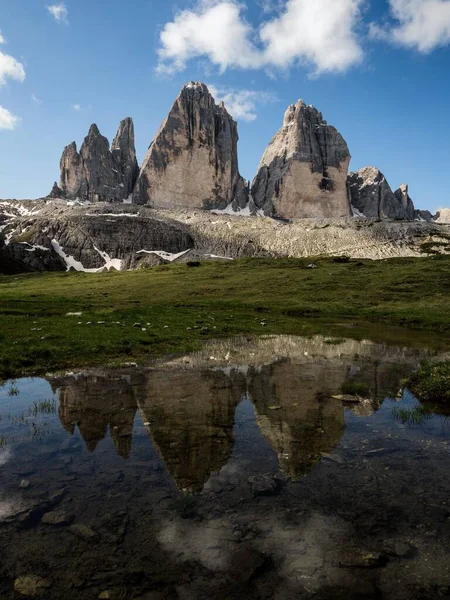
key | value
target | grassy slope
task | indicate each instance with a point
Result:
(213, 300)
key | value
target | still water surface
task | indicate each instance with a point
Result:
(230, 473)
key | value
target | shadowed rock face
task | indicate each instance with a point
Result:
(96, 173)
(192, 162)
(372, 196)
(303, 172)
(407, 204)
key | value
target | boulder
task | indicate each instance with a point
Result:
(372, 197)
(303, 172)
(96, 173)
(192, 162)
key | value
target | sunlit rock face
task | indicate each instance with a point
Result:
(97, 404)
(192, 162)
(191, 416)
(303, 172)
(98, 173)
(443, 215)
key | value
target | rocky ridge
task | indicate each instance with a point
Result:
(193, 163)
(61, 235)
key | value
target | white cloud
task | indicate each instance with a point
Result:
(2, 39)
(10, 67)
(241, 104)
(320, 33)
(36, 99)
(76, 107)
(59, 12)
(422, 24)
(7, 119)
(214, 29)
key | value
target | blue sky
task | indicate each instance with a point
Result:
(378, 70)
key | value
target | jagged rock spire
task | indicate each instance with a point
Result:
(193, 159)
(124, 154)
(96, 173)
(371, 196)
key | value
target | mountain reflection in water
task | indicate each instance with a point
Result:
(231, 473)
(188, 405)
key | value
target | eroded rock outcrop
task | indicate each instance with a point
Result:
(408, 205)
(372, 197)
(192, 162)
(303, 172)
(96, 173)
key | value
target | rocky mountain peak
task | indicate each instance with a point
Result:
(192, 161)
(303, 171)
(93, 131)
(371, 196)
(96, 173)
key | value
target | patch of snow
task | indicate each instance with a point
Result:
(242, 212)
(8, 238)
(77, 202)
(215, 256)
(34, 248)
(74, 314)
(356, 212)
(165, 255)
(70, 260)
(110, 263)
(129, 200)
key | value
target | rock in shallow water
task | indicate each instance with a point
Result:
(31, 586)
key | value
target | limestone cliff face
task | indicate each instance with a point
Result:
(303, 172)
(372, 196)
(192, 162)
(96, 173)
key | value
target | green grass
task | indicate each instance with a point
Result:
(355, 388)
(42, 407)
(180, 306)
(431, 383)
(413, 416)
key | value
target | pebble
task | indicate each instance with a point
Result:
(82, 531)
